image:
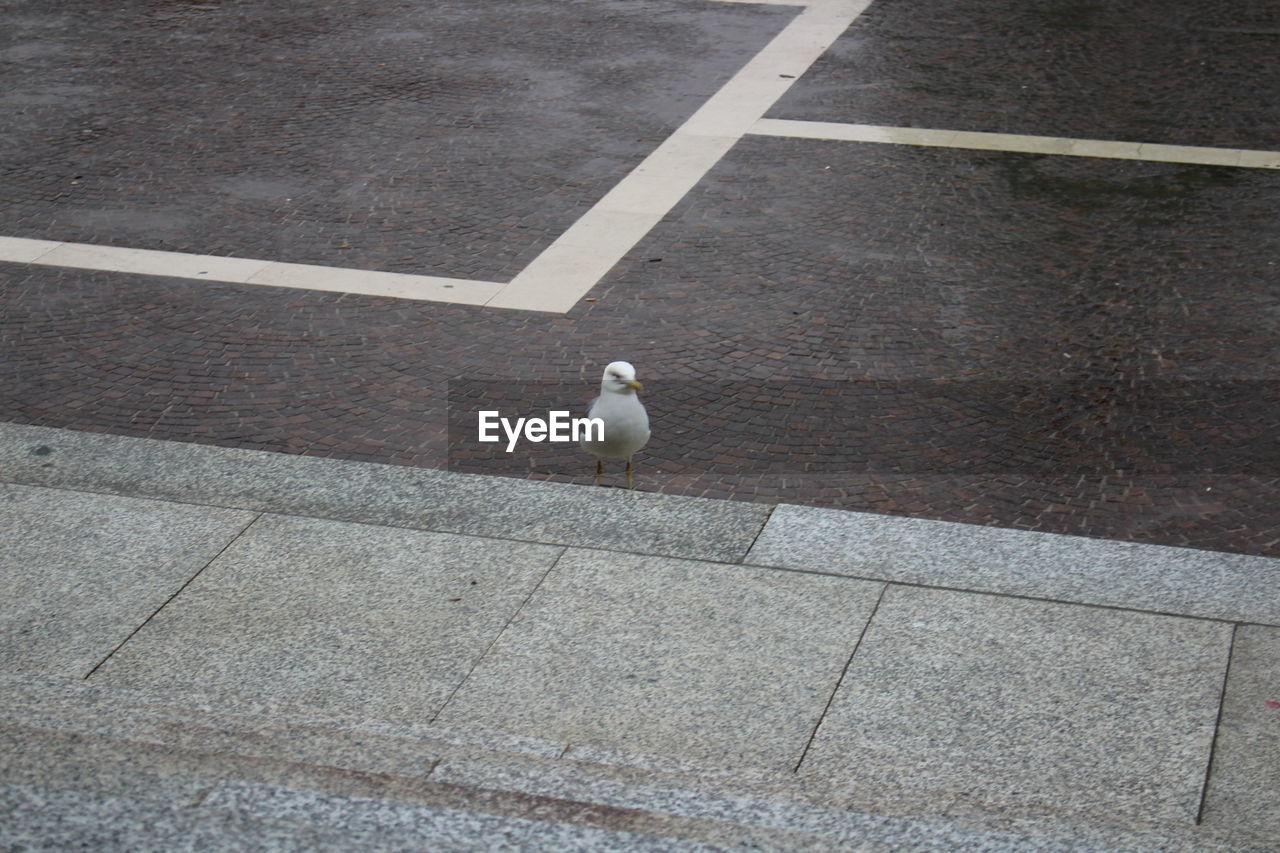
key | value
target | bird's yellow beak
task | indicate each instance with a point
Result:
(634, 384)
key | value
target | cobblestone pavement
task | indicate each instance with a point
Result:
(1058, 343)
(1182, 72)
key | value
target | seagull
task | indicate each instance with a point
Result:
(626, 423)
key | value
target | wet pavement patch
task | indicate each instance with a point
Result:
(1184, 73)
(1029, 179)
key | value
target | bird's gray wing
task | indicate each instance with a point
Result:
(592, 405)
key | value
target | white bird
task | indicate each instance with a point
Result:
(626, 423)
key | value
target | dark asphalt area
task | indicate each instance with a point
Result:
(1066, 344)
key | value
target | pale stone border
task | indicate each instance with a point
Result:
(246, 271)
(1238, 157)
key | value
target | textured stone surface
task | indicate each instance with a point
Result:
(81, 571)
(458, 138)
(815, 823)
(704, 665)
(370, 820)
(1051, 707)
(1182, 72)
(334, 620)
(61, 792)
(87, 782)
(379, 494)
(1244, 788)
(1179, 581)
(239, 816)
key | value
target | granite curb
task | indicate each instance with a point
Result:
(1075, 569)
(388, 495)
(1053, 566)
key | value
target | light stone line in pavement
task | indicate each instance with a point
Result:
(1238, 157)
(246, 271)
(568, 268)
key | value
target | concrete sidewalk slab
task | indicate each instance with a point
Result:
(80, 571)
(1181, 581)
(1049, 706)
(334, 619)
(380, 494)
(704, 665)
(1244, 785)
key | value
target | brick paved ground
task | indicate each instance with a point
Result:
(1182, 72)
(1066, 344)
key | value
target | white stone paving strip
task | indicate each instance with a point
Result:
(571, 266)
(1014, 142)
(246, 271)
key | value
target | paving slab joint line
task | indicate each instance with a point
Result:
(1217, 727)
(839, 681)
(480, 657)
(176, 593)
(733, 558)
(1020, 596)
(759, 532)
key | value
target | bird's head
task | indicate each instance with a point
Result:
(620, 378)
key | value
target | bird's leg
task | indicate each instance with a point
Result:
(629, 486)
(599, 470)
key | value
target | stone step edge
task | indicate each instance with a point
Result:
(376, 493)
(473, 758)
(303, 803)
(565, 515)
(244, 777)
